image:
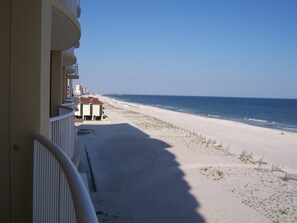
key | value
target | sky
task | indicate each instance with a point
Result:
(239, 48)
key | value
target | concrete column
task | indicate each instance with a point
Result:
(56, 81)
(25, 64)
(5, 191)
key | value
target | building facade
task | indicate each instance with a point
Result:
(89, 108)
(37, 44)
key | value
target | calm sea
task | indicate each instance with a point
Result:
(271, 113)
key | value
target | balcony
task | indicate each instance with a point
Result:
(65, 26)
(59, 194)
(69, 102)
(73, 6)
(72, 72)
(68, 57)
(62, 131)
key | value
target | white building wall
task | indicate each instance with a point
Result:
(78, 89)
(96, 110)
(86, 110)
(77, 113)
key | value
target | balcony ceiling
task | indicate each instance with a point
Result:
(65, 28)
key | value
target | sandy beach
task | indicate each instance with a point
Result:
(275, 146)
(153, 165)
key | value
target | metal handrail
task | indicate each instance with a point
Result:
(68, 104)
(56, 118)
(62, 130)
(68, 100)
(84, 210)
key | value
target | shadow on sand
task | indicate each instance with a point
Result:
(137, 178)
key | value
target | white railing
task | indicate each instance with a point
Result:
(69, 99)
(68, 104)
(74, 73)
(62, 130)
(72, 5)
(59, 194)
(75, 66)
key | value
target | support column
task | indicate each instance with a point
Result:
(56, 81)
(29, 66)
(5, 192)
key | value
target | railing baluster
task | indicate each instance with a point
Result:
(59, 194)
(61, 128)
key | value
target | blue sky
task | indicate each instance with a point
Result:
(189, 47)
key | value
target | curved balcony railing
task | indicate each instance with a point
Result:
(73, 6)
(68, 104)
(69, 100)
(62, 130)
(64, 17)
(75, 67)
(74, 74)
(69, 58)
(70, 50)
(59, 194)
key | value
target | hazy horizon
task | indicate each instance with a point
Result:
(214, 96)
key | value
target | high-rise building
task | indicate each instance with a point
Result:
(81, 89)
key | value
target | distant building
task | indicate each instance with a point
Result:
(85, 90)
(78, 89)
(72, 73)
(81, 90)
(70, 87)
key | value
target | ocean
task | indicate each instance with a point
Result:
(271, 113)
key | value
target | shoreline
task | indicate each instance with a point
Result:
(277, 147)
(248, 121)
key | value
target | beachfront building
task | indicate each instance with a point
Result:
(81, 89)
(98, 109)
(39, 181)
(78, 89)
(72, 73)
(70, 88)
(89, 108)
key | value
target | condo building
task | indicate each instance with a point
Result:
(81, 89)
(40, 182)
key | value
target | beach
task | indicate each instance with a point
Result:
(275, 146)
(154, 165)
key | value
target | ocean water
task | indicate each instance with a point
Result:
(270, 113)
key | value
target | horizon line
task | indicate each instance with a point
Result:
(173, 95)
